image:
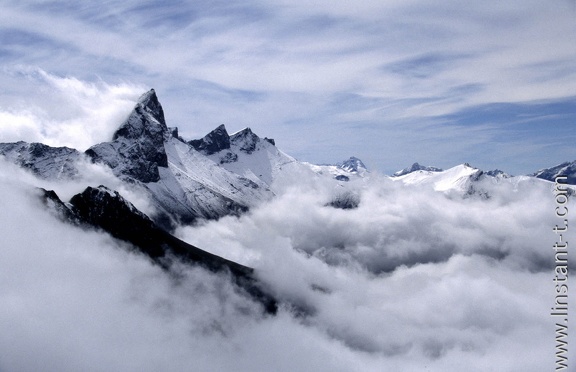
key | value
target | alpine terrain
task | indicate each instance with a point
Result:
(225, 253)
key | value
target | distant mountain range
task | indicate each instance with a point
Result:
(218, 175)
(416, 167)
(207, 178)
(567, 169)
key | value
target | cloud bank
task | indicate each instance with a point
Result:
(77, 300)
(410, 279)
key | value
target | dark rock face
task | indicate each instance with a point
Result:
(213, 142)
(174, 133)
(348, 200)
(106, 209)
(219, 141)
(51, 200)
(497, 173)
(228, 157)
(567, 169)
(477, 176)
(270, 141)
(137, 147)
(342, 177)
(246, 140)
(44, 161)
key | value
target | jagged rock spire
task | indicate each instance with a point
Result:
(149, 102)
(213, 142)
(147, 116)
(137, 147)
(246, 140)
(219, 139)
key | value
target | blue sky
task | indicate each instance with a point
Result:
(391, 82)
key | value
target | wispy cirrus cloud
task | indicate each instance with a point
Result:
(392, 67)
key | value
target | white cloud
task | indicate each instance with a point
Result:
(411, 277)
(310, 48)
(82, 302)
(65, 111)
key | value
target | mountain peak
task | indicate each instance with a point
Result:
(137, 147)
(213, 142)
(100, 204)
(218, 140)
(150, 104)
(245, 139)
(243, 134)
(417, 167)
(146, 117)
(567, 169)
(44, 161)
(353, 164)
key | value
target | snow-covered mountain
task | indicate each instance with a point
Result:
(416, 167)
(42, 160)
(183, 183)
(323, 247)
(347, 170)
(498, 173)
(245, 154)
(462, 179)
(457, 178)
(222, 173)
(137, 147)
(207, 178)
(567, 169)
(353, 165)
